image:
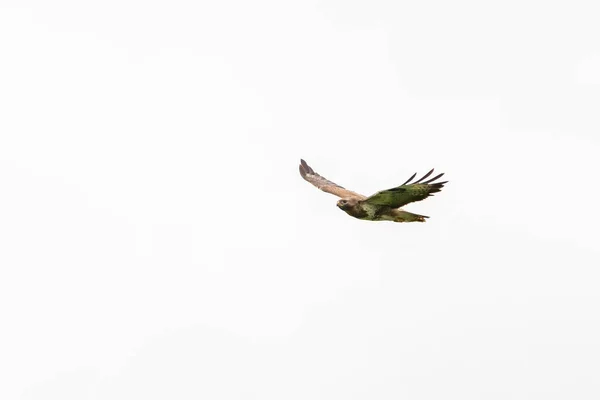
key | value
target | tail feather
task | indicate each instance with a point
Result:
(405, 216)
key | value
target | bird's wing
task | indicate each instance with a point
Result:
(407, 192)
(325, 185)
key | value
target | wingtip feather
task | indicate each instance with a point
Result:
(424, 176)
(409, 179)
(305, 168)
(302, 172)
(433, 179)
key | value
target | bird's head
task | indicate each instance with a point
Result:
(345, 204)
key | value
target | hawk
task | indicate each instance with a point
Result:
(382, 206)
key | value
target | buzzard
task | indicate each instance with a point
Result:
(382, 206)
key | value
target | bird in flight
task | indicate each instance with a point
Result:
(382, 206)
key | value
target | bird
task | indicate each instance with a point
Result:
(384, 205)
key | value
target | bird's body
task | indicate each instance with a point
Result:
(364, 211)
(382, 206)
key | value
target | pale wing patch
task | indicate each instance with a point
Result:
(324, 184)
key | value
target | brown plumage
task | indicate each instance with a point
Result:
(381, 206)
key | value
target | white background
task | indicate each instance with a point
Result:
(157, 241)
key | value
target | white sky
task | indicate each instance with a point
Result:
(157, 241)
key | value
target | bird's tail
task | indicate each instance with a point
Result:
(405, 216)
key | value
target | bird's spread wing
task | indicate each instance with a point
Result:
(407, 192)
(325, 185)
